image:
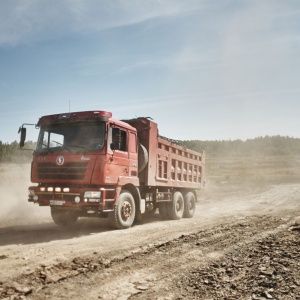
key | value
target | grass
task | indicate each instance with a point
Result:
(271, 169)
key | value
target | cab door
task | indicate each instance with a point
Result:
(117, 153)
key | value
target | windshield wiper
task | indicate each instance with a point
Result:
(47, 147)
(64, 146)
(70, 145)
(79, 146)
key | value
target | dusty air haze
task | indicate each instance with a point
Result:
(14, 208)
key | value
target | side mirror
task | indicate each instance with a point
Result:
(112, 146)
(22, 130)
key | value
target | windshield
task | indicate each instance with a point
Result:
(71, 137)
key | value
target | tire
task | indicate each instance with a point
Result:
(142, 158)
(189, 205)
(63, 218)
(124, 213)
(176, 208)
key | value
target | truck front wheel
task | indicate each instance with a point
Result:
(63, 217)
(189, 205)
(176, 207)
(124, 213)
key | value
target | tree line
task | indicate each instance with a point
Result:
(11, 153)
(260, 146)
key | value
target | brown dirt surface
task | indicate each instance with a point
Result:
(243, 243)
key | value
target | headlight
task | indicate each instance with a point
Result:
(92, 196)
(32, 196)
(31, 193)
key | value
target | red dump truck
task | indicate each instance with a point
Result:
(88, 164)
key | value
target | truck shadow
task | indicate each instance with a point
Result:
(47, 232)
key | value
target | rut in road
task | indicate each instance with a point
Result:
(144, 273)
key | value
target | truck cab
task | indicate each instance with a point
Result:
(81, 163)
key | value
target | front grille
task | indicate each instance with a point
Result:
(68, 171)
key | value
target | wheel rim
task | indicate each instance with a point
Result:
(191, 205)
(126, 210)
(178, 206)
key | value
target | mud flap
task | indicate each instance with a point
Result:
(142, 206)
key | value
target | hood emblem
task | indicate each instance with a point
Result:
(60, 160)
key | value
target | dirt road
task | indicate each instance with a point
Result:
(243, 243)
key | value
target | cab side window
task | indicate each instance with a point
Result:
(119, 139)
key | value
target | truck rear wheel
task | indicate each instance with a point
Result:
(189, 205)
(124, 213)
(176, 207)
(63, 217)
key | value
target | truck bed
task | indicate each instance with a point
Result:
(169, 164)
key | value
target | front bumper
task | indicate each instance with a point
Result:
(77, 198)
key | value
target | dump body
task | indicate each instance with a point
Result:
(89, 164)
(170, 164)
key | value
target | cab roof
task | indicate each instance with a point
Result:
(82, 116)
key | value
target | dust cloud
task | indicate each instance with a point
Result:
(14, 207)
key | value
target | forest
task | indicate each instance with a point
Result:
(260, 146)
(11, 153)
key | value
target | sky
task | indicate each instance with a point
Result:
(201, 69)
